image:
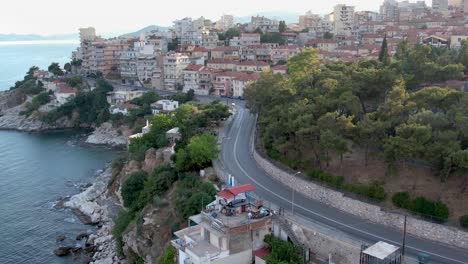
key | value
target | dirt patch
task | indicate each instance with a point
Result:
(417, 179)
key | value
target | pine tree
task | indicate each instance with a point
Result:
(383, 55)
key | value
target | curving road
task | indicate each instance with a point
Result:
(238, 161)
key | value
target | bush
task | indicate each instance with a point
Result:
(132, 188)
(373, 190)
(401, 199)
(192, 194)
(281, 251)
(437, 211)
(464, 221)
(121, 222)
(167, 257)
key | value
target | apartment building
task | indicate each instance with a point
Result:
(225, 22)
(199, 78)
(223, 64)
(240, 82)
(245, 39)
(252, 66)
(344, 19)
(226, 52)
(263, 23)
(173, 66)
(227, 231)
(284, 52)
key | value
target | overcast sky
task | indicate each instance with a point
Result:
(64, 16)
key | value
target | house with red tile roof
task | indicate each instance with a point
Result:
(252, 66)
(223, 64)
(199, 78)
(240, 82)
(64, 92)
(226, 52)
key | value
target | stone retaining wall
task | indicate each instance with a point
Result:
(366, 211)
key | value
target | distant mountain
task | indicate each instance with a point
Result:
(30, 37)
(289, 17)
(144, 30)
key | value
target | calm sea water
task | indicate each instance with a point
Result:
(36, 170)
(17, 57)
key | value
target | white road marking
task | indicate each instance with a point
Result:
(317, 214)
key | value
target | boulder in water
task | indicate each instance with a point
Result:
(63, 251)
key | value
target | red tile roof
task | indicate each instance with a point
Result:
(128, 106)
(230, 192)
(195, 67)
(253, 63)
(225, 48)
(223, 61)
(261, 252)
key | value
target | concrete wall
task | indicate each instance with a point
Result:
(244, 257)
(364, 210)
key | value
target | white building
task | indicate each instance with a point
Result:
(344, 19)
(164, 106)
(264, 24)
(245, 39)
(225, 22)
(64, 93)
(173, 66)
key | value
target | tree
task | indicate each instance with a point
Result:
(281, 252)
(67, 67)
(198, 153)
(231, 33)
(173, 45)
(327, 35)
(55, 69)
(370, 133)
(302, 64)
(463, 54)
(146, 99)
(132, 187)
(383, 54)
(272, 37)
(282, 26)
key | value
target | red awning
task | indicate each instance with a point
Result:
(230, 192)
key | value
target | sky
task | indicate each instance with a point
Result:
(47, 17)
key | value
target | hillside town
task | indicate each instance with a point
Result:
(222, 57)
(227, 222)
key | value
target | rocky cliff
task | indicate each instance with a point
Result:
(12, 119)
(106, 134)
(100, 202)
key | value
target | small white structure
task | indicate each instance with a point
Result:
(381, 253)
(145, 130)
(64, 93)
(164, 106)
(122, 109)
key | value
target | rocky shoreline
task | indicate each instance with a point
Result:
(95, 206)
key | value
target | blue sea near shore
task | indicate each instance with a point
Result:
(35, 171)
(16, 57)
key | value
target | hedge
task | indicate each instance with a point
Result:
(464, 221)
(435, 210)
(374, 190)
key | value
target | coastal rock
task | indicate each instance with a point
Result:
(60, 238)
(85, 204)
(106, 134)
(156, 157)
(12, 119)
(82, 235)
(63, 251)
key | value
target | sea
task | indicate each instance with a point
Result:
(16, 57)
(37, 169)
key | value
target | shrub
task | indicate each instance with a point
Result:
(464, 221)
(373, 190)
(281, 251)
(132, 188)
(437, 211)
(121, 222)
(401, 199)
(167, 257)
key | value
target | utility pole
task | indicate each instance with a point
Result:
(292, 202)
(404, 242)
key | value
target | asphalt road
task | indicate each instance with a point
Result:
(238, 161)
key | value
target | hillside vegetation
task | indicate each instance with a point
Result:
(320, 113)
